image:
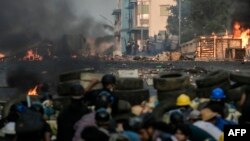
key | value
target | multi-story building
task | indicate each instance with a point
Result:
(139, 20)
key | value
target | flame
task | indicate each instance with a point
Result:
(33, 91)
(240, 33)
(245, 38)
(31, 55)
(1, 55)
(74, 56)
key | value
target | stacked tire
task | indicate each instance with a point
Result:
(131, 90)
(82, 77)
(206, 84)
(242, 81)
(170, 85)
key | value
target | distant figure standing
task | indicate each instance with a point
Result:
(71, 114)
(136, 49)
(128, 48)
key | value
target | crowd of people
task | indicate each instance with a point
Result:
(98, 115)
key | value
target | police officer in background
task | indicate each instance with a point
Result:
(92, 97)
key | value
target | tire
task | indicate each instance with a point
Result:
(235, 93)
(134, 97)
(84, 75)
(129, 83)
(172, 95)
(206, 92)
(240, 77)
(63, 88)
(171, 81)
(212, 79)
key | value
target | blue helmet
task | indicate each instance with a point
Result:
(217, 94)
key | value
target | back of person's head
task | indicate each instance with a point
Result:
(92, 133)
(102, 117)
(104, 99)
(184, 129)
(108, 79)
(176, 117)
(76, 90)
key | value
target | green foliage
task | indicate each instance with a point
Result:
(200, 17)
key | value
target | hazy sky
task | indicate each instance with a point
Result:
(101, 7)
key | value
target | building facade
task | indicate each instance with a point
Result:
(139, 20)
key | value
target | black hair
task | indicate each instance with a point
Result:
(108, 79)
(176, 117)
(92, 133)
(185, 129)
(76, 90)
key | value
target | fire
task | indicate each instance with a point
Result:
(245, 38)
(1, 55)
(31, 55)
(33, 91)
(241, 33)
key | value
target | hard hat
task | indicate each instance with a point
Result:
(183, 100)
(217, 94)
(108, 79)
(102, 115)
(76, 90)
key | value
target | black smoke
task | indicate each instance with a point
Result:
(26, 22)
(241, 12)
(22, 78)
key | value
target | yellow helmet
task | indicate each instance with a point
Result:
(183, 100)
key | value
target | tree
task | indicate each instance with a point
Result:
(200, 17)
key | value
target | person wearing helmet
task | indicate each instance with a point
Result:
(71, 114)
(108, 82)
(217, 94)
(217, 102)
(103, 121)
(183, 102)
(104, 95)
(197, 134)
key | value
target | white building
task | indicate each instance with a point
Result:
(140, 20)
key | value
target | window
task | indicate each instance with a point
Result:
(164, 10)
(143, 9)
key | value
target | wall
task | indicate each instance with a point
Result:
(158, 22)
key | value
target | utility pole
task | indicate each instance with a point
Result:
(179, 43)
(141, 22)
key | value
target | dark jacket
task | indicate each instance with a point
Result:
(68, 117)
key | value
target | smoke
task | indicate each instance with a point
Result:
(26, 21)
(241, 12)
(22, 78)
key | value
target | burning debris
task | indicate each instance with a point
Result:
(242, 33)
(31, 56)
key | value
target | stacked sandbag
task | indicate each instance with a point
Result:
(206, 84)
(131, 90)
(82, 77)
(170, 85)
